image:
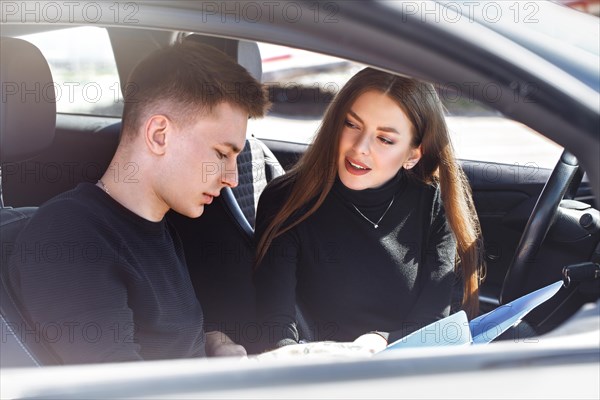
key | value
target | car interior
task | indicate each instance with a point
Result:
(53, 152)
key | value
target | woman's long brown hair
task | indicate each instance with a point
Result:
(314, 174)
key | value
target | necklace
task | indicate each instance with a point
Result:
(375, 224)
(103, 186)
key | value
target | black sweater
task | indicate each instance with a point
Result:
(102, 284)
(350, 278)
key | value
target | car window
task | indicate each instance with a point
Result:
(480, 133)
(302, 84)
(83, 68)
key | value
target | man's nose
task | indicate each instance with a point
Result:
(229, 176)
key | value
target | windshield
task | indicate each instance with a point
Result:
(563, 36)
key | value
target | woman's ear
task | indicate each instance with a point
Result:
(155, 133)
(413, 159)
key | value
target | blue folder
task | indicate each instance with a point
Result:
(450, 331)
(457, 330)
(487, 327)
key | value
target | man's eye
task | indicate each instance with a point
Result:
(221, 156)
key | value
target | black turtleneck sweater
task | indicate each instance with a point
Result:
(100, 283)
(349, 277)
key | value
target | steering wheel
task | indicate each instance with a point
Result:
(539, 223)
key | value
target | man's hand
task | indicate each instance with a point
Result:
(219, 344)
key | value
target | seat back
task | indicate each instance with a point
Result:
(27, 123)
(256, 167)
(21, 344)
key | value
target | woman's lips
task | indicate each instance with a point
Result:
(354, 170)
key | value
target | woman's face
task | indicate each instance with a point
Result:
(375, 142)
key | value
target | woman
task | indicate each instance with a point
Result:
(365, 233)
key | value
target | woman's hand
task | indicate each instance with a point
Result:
(219, 344)
(372, 342)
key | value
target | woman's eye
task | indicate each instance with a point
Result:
(350, 124)
(385, 140)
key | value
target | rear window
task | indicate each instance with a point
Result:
(83, 69)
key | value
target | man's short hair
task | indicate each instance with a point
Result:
(186, 79)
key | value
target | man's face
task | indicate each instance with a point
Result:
(202, 159)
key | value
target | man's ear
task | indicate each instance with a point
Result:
(156, 133)
(413, 159)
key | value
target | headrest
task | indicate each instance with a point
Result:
(247, 54)
(28, 106)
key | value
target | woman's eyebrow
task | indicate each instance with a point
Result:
(380, 128)
(356, 116)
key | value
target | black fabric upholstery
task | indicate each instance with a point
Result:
(14, 353)
(252, 179)
(21, 345)
(234, 211)
(244, 192)
(273, 168)
(256, 167)
(28, 106)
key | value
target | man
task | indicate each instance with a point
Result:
(100, 273)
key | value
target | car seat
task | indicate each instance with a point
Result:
(27, 124)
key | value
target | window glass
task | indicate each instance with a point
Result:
(83, 69)
(302, 84)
